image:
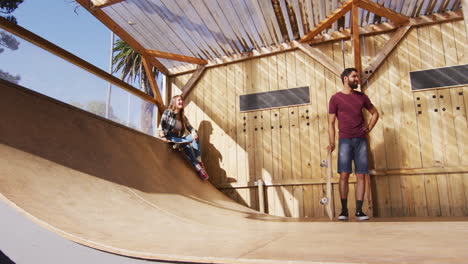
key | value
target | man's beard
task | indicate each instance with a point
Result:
(353, 85)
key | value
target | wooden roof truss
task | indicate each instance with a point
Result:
(353, 6)
(178, 35)
(215, 32)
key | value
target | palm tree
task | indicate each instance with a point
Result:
(7, 7)
(129, 62)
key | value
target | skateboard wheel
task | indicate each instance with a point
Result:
(323, 163)
(177, 147)
(324, 200)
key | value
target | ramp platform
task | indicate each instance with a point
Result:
(111, 188)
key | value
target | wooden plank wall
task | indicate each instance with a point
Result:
(286, 145)
(426, 129)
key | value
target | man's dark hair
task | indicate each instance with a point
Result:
(346, 73)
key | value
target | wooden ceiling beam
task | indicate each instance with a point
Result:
(336, 36)
(56, 50)
(326, 61)
(388, 27)
(382, 11)
(154, 86)
(104, 3)
(328, 21)
(465, 13)
(262, 52)
(384, 52)
(119, 31)
(356, 38)
(287, 20)
(176, 57)
(297, 13)
(193, 80)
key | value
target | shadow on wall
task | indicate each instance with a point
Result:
(212, 159)
(382, 194)
(387, 189)
(4, 259)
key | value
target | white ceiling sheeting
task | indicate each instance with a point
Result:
(210, 29)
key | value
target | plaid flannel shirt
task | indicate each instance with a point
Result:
(168, 123)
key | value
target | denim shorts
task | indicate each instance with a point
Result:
(192, 150)
(350, 149)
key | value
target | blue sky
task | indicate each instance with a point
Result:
(79, 33)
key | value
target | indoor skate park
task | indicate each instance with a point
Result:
(256, 78)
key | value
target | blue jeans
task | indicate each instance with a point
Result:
(350, 149)
(192, 150)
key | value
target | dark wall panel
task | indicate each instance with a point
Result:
(441, 77)
(275, 99)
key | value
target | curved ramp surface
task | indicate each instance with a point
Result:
(108, 187)
(29, 243)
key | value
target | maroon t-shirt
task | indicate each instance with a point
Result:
(348, 111)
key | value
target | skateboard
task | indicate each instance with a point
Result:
(177, 145)
(180, 146)
(328, 199)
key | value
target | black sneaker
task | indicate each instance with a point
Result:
(343, 216)
(361, 216)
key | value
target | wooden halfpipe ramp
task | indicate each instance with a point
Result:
(111, 188)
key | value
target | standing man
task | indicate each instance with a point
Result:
(347, 106)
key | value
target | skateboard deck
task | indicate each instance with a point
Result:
(177, 145)
(180, 147)
(328, 199)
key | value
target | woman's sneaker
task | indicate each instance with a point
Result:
(343, 216)
(201, 171)
(361, 216)
(202, 165)
(203, 175)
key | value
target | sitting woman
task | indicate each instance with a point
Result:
(173, 127)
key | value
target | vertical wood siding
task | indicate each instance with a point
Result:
(288, 143)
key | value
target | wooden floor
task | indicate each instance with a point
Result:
(113, 189)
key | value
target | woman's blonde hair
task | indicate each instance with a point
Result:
(173, 107)
(173, 104)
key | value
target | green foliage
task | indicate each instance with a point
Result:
(96, 107)
(130, 64)
(6, 40)
(128, 61)
(99, 108)
(9, 77)
(7, 7)
(9, 42)
(76, 104)
(12, 19)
